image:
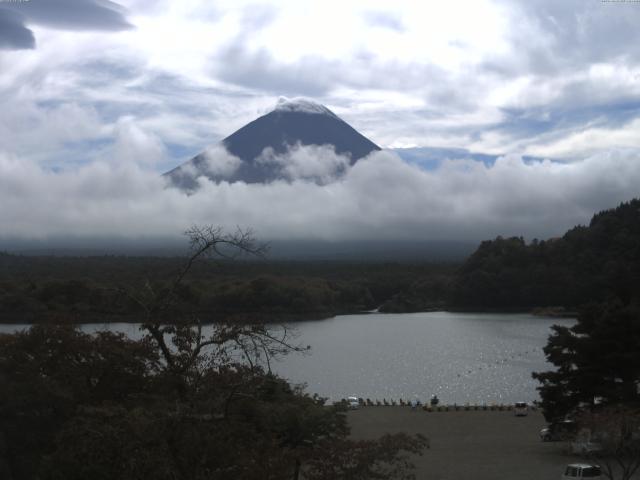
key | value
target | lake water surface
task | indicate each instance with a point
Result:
(461, 357)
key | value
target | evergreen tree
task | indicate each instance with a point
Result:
(597, 360)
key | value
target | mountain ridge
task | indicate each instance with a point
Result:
(293, 123)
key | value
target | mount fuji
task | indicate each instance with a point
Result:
(255, 152)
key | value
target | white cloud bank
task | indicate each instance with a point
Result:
(317, 163)
(380, 197)
(219, 161)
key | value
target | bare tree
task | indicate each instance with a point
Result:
(180, 337)
(615, 433)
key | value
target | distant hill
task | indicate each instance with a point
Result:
(292, 123)
(591, 263)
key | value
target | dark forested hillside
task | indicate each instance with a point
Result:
(588, 264)
(92, 289)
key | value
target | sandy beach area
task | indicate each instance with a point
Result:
(482, 445)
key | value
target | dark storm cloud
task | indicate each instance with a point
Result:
(13, 33)
(73, 14)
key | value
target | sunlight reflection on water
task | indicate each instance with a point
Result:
(461, 357)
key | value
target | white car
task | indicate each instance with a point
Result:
(353, 403)
(521, 409)
(575, 471)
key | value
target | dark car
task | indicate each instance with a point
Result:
(558, 431)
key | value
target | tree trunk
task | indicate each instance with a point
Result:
(296, 471)
(5, 471)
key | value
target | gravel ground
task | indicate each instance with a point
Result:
(478, 445)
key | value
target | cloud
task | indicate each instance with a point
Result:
(219, 162)
(257, 17)
(73, 14)
(587, 32)
(389, 20)
(46, 131)
(317, 163)
(215, 162)
(590, 140)
(380, 197)
(542, 78)
(13, 33)
(62, 112)
(258, 69)
(242, 63)
(133, 145)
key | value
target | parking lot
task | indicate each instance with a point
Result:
(479, 445)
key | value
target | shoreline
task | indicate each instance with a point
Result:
(277, 318)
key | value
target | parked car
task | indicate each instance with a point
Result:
(575, 471)
(521, 409)
(559, 431)
(353, 403)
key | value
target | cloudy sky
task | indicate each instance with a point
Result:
(521, 117)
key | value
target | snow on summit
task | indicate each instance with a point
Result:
(302, 105)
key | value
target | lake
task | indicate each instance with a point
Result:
(461, 357)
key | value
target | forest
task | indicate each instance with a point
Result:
(588, 263)
(90, 289)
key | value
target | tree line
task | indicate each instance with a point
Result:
(89, 289)
(590, 263)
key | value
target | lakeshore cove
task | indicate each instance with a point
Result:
(462, 358)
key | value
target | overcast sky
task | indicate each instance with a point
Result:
(98, 97)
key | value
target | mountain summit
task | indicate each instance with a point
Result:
(259, 151)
